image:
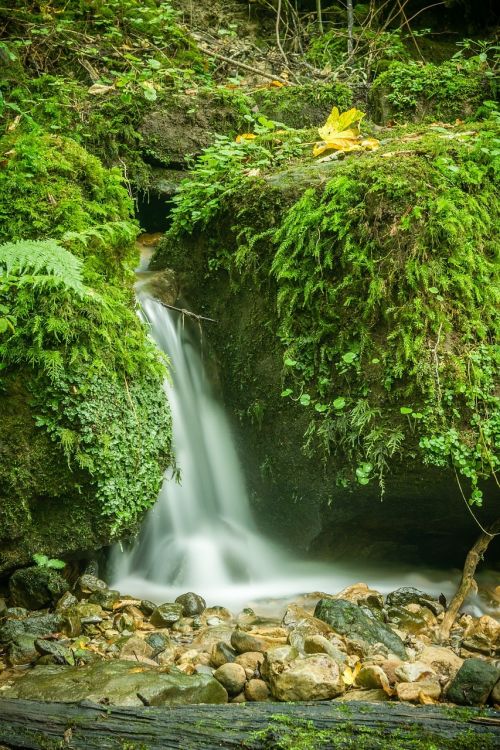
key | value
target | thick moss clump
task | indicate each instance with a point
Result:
(376, 275)
(455, 89)
(85, 428)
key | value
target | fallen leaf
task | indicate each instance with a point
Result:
(349, 675)
(426, 700)
(341, 133)
(245, 137)
(252, 172)
(99, 88)
(13, 125)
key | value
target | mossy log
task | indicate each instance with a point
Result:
(252, 726)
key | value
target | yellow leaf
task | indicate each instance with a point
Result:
(349, 675)
(337, 123)
(426, 700)
(245, 137)
(370, 144)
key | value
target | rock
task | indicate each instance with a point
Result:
(166, 614)
(443, 661)
(216, 615)
(59, 654)
(250, 661)
(410, 595)
(106, 598)
(370, 696)
(483, 635)
(87, 585)
(318, 644)
(298, 618)
(3, 606)
(362, 595)
(373, 677)
(17, 613)
(66, 601)
(147, 608)
(222, 654)
(414, 672)
(232, 676)
(35, 625)
(208, 636)
(413, 622)
(36, 587)
(158, 642)
(117, 683)
(258, 639)
(308, 678)
(138, 648)
(350, 620)
(495, 695)
(276, 660)
(192, 604)
(91, 568)
(417, 692)
(130, 618)
(21, 650)
(473, 683)
(257, 690)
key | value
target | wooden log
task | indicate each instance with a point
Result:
(251, 726)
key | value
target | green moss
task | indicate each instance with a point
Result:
(302, 106)
(414, 91)
(382, 271)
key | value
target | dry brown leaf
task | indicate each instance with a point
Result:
(99, 88)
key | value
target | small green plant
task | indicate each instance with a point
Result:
(49, 562)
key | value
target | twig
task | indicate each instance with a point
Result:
(185, 312)
(243, 65)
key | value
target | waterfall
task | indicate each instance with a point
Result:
(200, 536)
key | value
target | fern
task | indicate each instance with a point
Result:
(40, 264)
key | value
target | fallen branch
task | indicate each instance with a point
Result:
(186, 312)
(243, 65)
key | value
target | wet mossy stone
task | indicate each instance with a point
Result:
(473, 683)
(350, 620)
(36, 625)
(192, 604)
(166, 614)
(119, 683)
(36, 587)
(106, 598)
(22, 650)
(409, 595)
(59, 654)
(158, 642)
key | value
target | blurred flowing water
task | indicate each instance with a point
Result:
(201, 536)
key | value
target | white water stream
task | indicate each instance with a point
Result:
(200, 536)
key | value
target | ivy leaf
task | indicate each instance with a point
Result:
(339, 403)
(56, 564)
(286, 392)
(149, 91)
(433, 290)
(290, 362)
(305, 399)
(321, 408)
(41, 560)
(349, 357)
(406, 410)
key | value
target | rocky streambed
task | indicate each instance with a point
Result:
(93, 643)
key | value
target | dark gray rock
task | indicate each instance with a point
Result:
(17, 613)
(59, 654)
(473, 683)
(87, 585)
(158, 642)
(36, 587)
(66, 601)
(106, 598)
(147, 608)
(354, 622)
(166, 614)
(21, 650)
(35, 625)
(409, 595)
(221, 654)
(192, 604)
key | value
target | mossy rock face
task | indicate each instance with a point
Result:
(84, 425)
(331, 284)
(454, 89)
(304, 106)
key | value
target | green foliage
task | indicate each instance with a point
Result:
(386, 291)
(454, 89)
(49, 562)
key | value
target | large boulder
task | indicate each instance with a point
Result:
(36, 587)
(358, 624)
(473, 683)
(309, 678)
(119, 683)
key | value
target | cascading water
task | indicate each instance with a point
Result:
(200, 536)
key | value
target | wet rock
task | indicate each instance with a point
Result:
(166, 614)
(192, 604)
(3, 606)
(350, 620)
(59, 654)
(71, 625)
(362, 595)
(147, 608)
(216, 616)
(298, 618)
(276, 660)
(106, 598)
(483, 635)
(21, 650)
(158, 642)
(443, 661)
(137, 648)
(413, 622)
(91, 568)
(66, 601)
(257, 691)
(409, 595)
(257, 639)
(232, 676)
(495, 694)
(308, 678)
(419, 692)
(36, 587)
(375, 695)
(414, 672)
(87, 585)
(473, 683)
(117, 683)
(222, 654)
(318, 644)
(35, 625)
(17, 613)
(250, 661)
(373, 676)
